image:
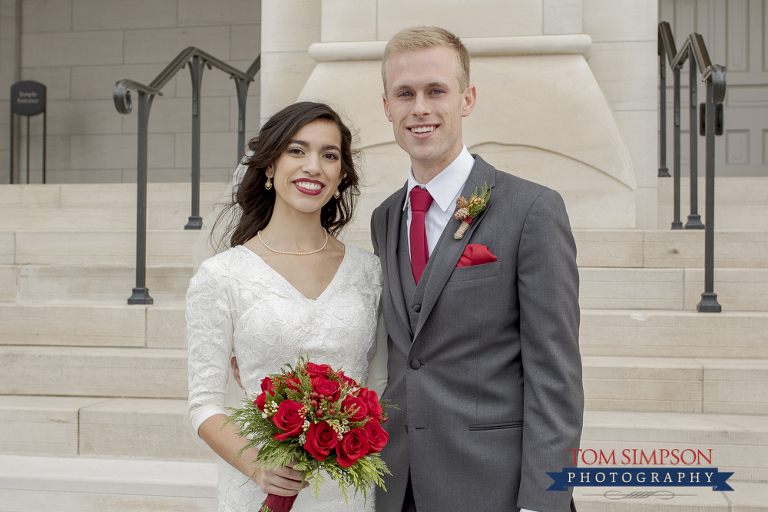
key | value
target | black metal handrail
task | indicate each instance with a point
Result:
(695, 51)
(197, 60)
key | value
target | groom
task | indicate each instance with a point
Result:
(483, 361)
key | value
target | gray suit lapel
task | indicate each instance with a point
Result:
(449, 250)
(393, 269)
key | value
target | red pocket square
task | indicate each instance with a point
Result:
(475, 254)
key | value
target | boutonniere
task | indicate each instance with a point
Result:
(466, 211)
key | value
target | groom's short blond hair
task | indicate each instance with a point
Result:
(420, 38)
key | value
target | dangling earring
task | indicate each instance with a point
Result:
(268, 184)
(337, 194)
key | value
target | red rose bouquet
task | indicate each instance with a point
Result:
(319, 419)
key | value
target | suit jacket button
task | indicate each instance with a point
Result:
(415, 364)
(417, 307)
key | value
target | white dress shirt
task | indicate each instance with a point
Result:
(445, 189)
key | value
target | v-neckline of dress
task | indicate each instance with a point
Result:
(327, 289)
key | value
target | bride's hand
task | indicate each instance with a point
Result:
(281, 481)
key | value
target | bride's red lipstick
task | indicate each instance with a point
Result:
(307, 191)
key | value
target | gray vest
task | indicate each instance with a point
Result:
(412, 294)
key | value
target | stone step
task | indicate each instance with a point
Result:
(49, 219)
(625, 288)
(93, 371)
(724, 386)
(75, 484)
(739, 442)
(92, 325)
(610, 382)
(640, 333)
(741, 203)
(674, 334)
(596, 248)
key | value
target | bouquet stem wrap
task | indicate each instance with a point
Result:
(275, 503)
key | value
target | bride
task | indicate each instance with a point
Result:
(284, 287)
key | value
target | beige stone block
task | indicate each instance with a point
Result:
(7, 248)
(289, 26)
(72, 48)
(59, 501)
(348, 20)
(56, 80)
(252, 120)
(735, 386)
(56, 158)
(626, 72)
(66, 324)
(737, 441)
(9, 63)
(283, 76)
(98, 82)
(9, 283)
(245, 43)
(40, 424)
(123, 196)
(488, 19)
(95, 15)
(105, 152)
(151, 429)
(216, 150)
(91, 371)
(163, 45)
(231, 12)
(103, 284)
(166, 327)
(48, 219)
(642, 384)
(647, 212)
(737, 289)
(562, 17)
(83, 118)
(46, 16)
(84, 176)
(174, 115)
(215, 83)
(673, 334)
(609, 248)
(103, 248)
(685, 248)
(632, 288)
(606, 20)
(639, 131)
(748, 496)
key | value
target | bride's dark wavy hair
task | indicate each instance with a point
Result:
(256, 203)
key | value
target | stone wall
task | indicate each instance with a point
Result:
(80, 48)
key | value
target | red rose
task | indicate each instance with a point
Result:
(352, 446)
(289, 418)
(351, 403)
(260, 401)
(326, 387)
(377, 436)
(347, 380)
(321, 439)
(371, 399)
(293, 383)
(318, 370)
(266, 384)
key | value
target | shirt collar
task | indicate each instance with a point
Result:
(444, 187)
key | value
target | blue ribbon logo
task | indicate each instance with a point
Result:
(640, 477)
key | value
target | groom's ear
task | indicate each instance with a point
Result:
(386, 106)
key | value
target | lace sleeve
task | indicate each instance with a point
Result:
(209, 341)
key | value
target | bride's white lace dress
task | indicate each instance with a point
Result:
(238, 304)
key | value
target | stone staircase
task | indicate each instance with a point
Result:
(93, 391)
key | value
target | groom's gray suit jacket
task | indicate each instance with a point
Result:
(484, 360)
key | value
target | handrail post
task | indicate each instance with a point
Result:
(694, 219)
(676, 224)
(709, 302)
(663, 171)
(196, 67)
(141, 292)
(242, 96)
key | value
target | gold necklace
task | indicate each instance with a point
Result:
(258, 234)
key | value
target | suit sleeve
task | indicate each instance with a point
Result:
(548, 286)
(374, 241)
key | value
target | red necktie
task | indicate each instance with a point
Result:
(420, 202)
